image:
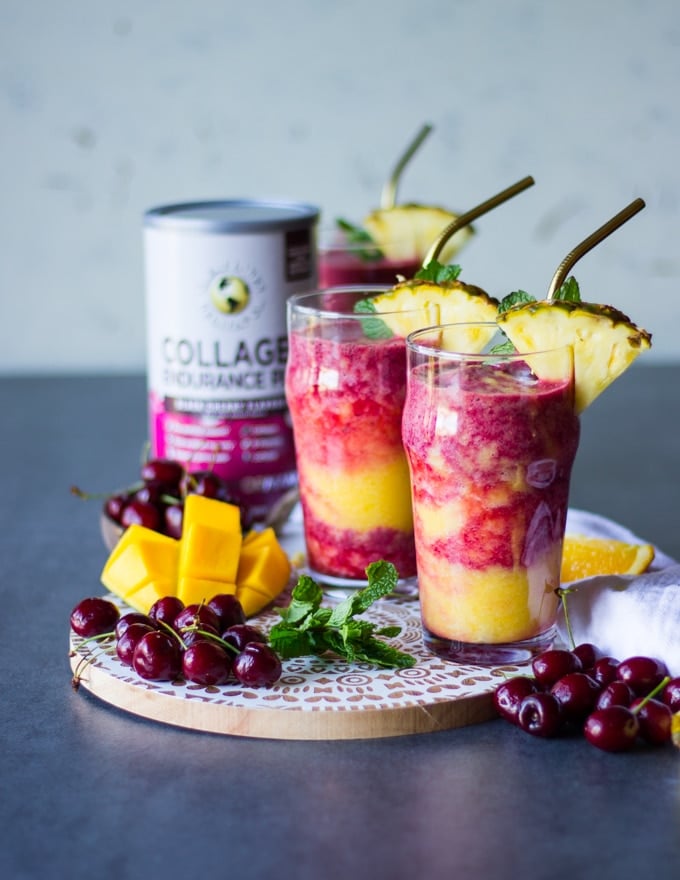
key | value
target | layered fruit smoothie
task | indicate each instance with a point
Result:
(490, 449)
(345, 389)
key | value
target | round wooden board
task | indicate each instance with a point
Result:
(316, 698)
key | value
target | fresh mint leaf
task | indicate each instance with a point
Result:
(382, 580)
(307, 628)
(569, 291)
(503, 348)
(365, 305)
(438, 273)
(305, 599)
(288, 641)
(382, 654)
(373, 328)
(515, 298)
(359, 235)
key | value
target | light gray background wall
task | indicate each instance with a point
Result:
(109, 108)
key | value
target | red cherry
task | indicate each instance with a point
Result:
(228, 609)
(197, 615)
(655, 719)
(508, 696)
(141, 513)
(129, 639)
(540, 714)
(157, 657)
(166, 609)
(206, 663)
(257, 665)
(551, 665)
(242, 634)
(671, 694)
(616, 693)
(577, 694)
(604, 670)
(94, 617)
(642, 674)
(613, 729)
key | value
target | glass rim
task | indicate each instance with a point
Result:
(446, 354)
(297, 302)
(327, 242)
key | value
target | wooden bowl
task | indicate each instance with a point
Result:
(110, 531)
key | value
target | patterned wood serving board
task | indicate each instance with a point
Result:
(315, 698)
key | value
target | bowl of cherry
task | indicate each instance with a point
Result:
(615, 704)
(156, 500)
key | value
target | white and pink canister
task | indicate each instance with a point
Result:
(218, 274)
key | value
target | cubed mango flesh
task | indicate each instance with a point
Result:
(211, 557)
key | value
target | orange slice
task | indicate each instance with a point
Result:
(586, 556)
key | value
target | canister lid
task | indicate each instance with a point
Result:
(235, 215)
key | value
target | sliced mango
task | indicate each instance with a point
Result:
(193, 591)
(263, 570)
(143, 597)
(211, 539)
(140, 555)
(211, 557)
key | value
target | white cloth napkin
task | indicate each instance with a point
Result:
(625, 615)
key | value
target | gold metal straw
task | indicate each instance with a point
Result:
(389, 192)
(589, 243)
(469, 216)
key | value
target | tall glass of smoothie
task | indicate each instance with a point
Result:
(490, 439)
(345, 388)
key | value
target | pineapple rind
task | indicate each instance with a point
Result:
(605, 341)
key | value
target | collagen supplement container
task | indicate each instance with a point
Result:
(218, 275)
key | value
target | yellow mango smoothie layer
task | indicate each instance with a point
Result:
(362, 499)
(492, 605)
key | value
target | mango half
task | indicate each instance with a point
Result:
(211, 557)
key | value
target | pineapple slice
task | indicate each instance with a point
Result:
(604, 340)
(445, 302)
(408, 231)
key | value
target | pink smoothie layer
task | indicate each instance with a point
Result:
(346, 399)
(490, 456)
(339, 268)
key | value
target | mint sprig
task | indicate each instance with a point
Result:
(438, 273)
(374, 328)
(569, 291)
(309, 629)
(359, 235)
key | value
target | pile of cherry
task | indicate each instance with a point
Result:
(156, 501)
(615, 704)
(207, 644)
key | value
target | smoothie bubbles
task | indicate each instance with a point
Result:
(491, 430)
(391, 241)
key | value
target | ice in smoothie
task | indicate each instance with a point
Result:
(490, 449)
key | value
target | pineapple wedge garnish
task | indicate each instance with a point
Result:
(407, 231)
(443, 302)
(604, 340)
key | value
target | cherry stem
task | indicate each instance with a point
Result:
(171, 631)
(650, 696)
(562, 593)
(212, 637)
(88, 658)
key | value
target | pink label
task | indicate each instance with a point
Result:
(256, 455)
